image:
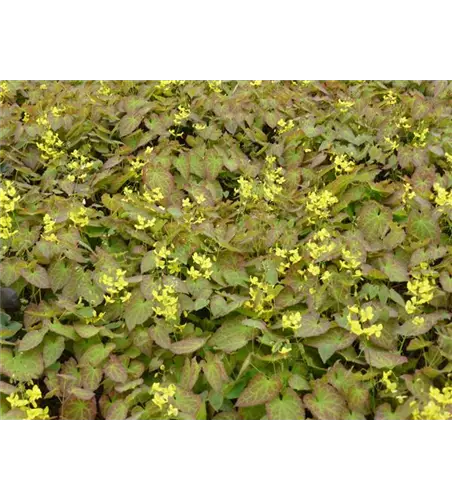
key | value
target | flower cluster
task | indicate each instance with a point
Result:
(288, 258)
(438, 407)
(115, 285)
(403, 123)
(343, 164)
(316, 249)
(420, 137)
(79, 217)
(80, 167)
(168, 302)
(194, 214)
(144, 223)
(51, 146)
(357, 316)
(256, 83)
(344, 106)
(204, 265)
(182, 114)
(163, 261)
(273, 179)
(292, 320)
(247, 190)
(49, 228)
(390, 98)
(284, 126)
(350, 261)
(319, 204)
(392, 143)
(408, 193)
(160, 398)
(4, 89)
(443, 197)
(153, 196)
(215, 86)
(421, 286)
(25, 400)
(8, 200)
(104, 90)
(262, 295)
(385, 380)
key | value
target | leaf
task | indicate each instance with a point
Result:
(260, 390)
(32, 339)
(59, 274)
(409, 329)
(117, 411)
(446, 281)
(91, 377)
(86, 331)
(160, 335)
(37, 277)
(423, 225)
(325, 402)
(287, 407)
(190, 374)
(67, 331)
(374, 220)
(84, 394)
(10, 270)
(115, 370)
(312, 325)
(137, 311)
(299, 383)
(97, 353)
(128, 124)
(187, 402)
(379, 358)
(231, 336)
(187, 346)
(395, 269)
(330, 342)
(213, 369)
(22, 367)
(53, 349)
(78, 409)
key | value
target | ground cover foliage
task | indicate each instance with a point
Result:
(226, 249)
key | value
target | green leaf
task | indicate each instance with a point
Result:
(232, 336)
(84, 394)
(137, 311)
(187, 402)
(423, 225)
(32, 339)
(187, 346)
(325, 403)
(299, 383)
(330, 342)
(286, 407)
(22, 367)
(260, 390)
(395, 269)
(379, 358)
(128, 124)
(59, 274)
(190, 374)
(67, 331)
(86, 331)
(97, 353)
(10, 270)
(53, 349)
(160, 335)
(409, 329)
(117, 411)
(91, 377)
(37, 276)
(213, 369)
(78, 409)
(374, 220)
(115, 370)
(312, 325)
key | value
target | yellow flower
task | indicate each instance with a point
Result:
(292, 320)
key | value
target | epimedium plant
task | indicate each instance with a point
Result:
(226, 249)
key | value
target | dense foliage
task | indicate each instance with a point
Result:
(226, 249)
